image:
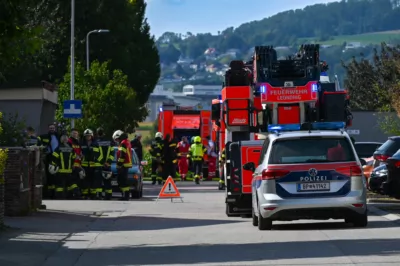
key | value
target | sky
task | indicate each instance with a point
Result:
(202, 16)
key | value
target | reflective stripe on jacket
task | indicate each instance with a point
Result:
(64, 157)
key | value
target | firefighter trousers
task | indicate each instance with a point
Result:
(197, 168)
(123, 182)
(63, 182)
(92, 183)
(156, 171)
(107, 188)
(169, 169)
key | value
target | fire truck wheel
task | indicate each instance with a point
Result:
(264, 224)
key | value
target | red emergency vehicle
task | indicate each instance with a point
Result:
(268, 91)
(189, 121)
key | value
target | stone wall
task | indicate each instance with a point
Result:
(23, 181)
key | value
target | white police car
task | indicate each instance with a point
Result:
(308, 174)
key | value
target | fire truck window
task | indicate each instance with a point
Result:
(309, 150)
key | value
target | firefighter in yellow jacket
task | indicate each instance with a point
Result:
(62, 166)
(196, 155)
(222, 159)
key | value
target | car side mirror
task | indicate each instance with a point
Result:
(143, 163)
(250, 166)
(363, 162)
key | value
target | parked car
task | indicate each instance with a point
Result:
(386, 150)
(135, 179)
(391, 186)
(366, 149)
(378, 176)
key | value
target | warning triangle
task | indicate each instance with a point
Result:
(169, 190)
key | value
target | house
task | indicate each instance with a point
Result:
(211, 69)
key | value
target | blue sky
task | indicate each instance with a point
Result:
(200, 16)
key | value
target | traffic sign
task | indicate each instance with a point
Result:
(73, 109)
(169, 190)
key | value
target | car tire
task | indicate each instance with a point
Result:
(360, 220)
(264, 224)
(254, 217)
(141, 191)
(135, 194)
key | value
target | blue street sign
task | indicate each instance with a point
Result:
(73, 109)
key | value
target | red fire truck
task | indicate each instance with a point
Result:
(267, 91)
(189, 121)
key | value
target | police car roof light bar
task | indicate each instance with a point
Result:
(328, 125)
(287, 127)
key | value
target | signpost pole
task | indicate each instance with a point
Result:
(72, 56)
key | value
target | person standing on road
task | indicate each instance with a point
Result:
(169, 158)
(62, 164)
(136, 144)
(105, 159)
(196, 155)
(76, 175)
(183, 150)
(49, 142)
(90, 152)
(124, 161)
(156, 152)
(32, 140)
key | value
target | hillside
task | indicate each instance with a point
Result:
(366, 22)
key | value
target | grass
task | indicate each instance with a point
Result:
(367, 38)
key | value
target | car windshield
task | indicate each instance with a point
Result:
(311, 150)
(135, 160)
(389, 147)
(366, 149)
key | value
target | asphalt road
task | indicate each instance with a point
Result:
(195, 232)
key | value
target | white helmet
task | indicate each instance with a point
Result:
(88, 132)
(53, 169)
(159, 135)
(107, 174)
(117, 134)
(82, 173)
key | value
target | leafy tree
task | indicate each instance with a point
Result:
(12, 133)
(169, 54)
(108, 100)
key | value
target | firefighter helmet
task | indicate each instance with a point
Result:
(197, 139)
(159, 135)
(88, 132)
(117, 134)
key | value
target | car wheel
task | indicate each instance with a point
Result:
(264, 223)
(135, 194)
(360, 220)
(141, 191)
(255, 218)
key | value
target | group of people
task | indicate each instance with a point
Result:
(168, 154)
(81, 167)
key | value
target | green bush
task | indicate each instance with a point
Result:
(13, 131)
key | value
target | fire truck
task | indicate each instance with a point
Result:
(265, 92)
(189, 121)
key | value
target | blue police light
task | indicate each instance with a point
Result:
(161, 109)
(324, 74)
(314, 87)
(263, 89)
(328, 125)
(220, 101)
(287, 127)
(220, 97)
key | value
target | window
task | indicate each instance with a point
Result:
(135, 159)
(310, 150)
(264, 150)
(365, 149)
(390, 146)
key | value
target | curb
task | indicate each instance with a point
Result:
(389, 216)
(383, 201)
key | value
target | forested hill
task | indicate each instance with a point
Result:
(319, 22)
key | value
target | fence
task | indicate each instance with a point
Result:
(21, 192)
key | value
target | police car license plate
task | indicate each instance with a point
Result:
(114, 183)
(304, 187)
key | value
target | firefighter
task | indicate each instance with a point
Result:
(105, 159)
(136, 144)
(124, 161)
(182, 153)
(222, 159)
(156, 150)
(91, 187)
(196, 154)
(62, 165)
(49, 142)
(73, 141)
(169, 158)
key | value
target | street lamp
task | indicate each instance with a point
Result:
(87, 44)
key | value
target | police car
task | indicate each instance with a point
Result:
(310, 174)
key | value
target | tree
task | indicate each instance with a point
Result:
(108, 100)
(169, 54)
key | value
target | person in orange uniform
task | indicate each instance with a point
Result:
(182, 152)
(124, 161)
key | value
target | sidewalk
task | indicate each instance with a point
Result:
(30, 241)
